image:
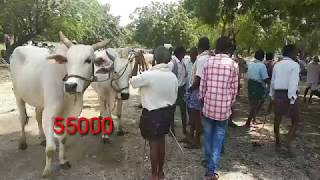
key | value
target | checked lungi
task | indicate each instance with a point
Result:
(282, 104)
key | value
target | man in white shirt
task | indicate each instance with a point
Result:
(178, 68)
(313, 73)
(283, 90)
(158, 88)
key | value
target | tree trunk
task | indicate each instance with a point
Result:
(248, 51)
(223, 32)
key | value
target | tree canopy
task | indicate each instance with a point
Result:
(267, 24)
(252, 24)
(81, 20)
(162, 23)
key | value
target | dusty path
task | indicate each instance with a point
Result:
(124, 158)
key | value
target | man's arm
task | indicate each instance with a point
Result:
(139, 81)
(272, 82)
(234, 83)
(294, 83)
(203, 85)
(198, 75)
(264, 74)
(195, 83)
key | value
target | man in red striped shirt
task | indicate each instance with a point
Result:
(218, 91)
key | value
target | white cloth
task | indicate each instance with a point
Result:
(189, 65)
(158, 87)
(199, 64)
(182, 76)
(313, 72)
(286, 77)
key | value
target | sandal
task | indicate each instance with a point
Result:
(214, 177)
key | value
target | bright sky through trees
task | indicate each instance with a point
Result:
(124, 8)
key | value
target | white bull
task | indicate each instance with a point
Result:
(42, 84)
(114, 87)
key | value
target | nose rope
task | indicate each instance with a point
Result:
(95, 78)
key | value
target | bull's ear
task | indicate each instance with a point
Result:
(57, 59)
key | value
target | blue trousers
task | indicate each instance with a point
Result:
(214, 133)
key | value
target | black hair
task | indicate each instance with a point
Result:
(162, 55)
(204, 43)
(288, 50)
(259, 55)
(179, 51)
(269, 56)
(194, 49)
(224, 45)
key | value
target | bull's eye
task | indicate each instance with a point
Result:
(88, 61)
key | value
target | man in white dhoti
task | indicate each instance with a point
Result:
(313, 73)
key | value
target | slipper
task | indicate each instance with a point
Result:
(214, 177)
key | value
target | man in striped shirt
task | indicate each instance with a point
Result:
(218, 91)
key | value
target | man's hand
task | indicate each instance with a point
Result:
(191, 89)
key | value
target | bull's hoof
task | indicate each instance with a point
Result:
(23, 146)
(105, 139)
(121, 133)
(66, 165)
(43, 143)
(46, 174)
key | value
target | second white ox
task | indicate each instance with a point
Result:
(43, 85)
(114, 74)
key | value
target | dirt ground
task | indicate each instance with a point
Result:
(126, 158)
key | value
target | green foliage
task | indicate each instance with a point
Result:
(267, 24)
(81, 20)
(159, 23)
(248, 32)
(204, 30)
(1, 37)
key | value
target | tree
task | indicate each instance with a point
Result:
(162, 23)
(81, 20)
(24, 19)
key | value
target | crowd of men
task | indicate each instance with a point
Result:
(205, 87)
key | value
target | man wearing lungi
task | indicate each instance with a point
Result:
(257, 79)
(158, 89)
(313, 73)
(283, 90)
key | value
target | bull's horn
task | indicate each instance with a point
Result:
(112, 58)
(101, 44)
(65, 40)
